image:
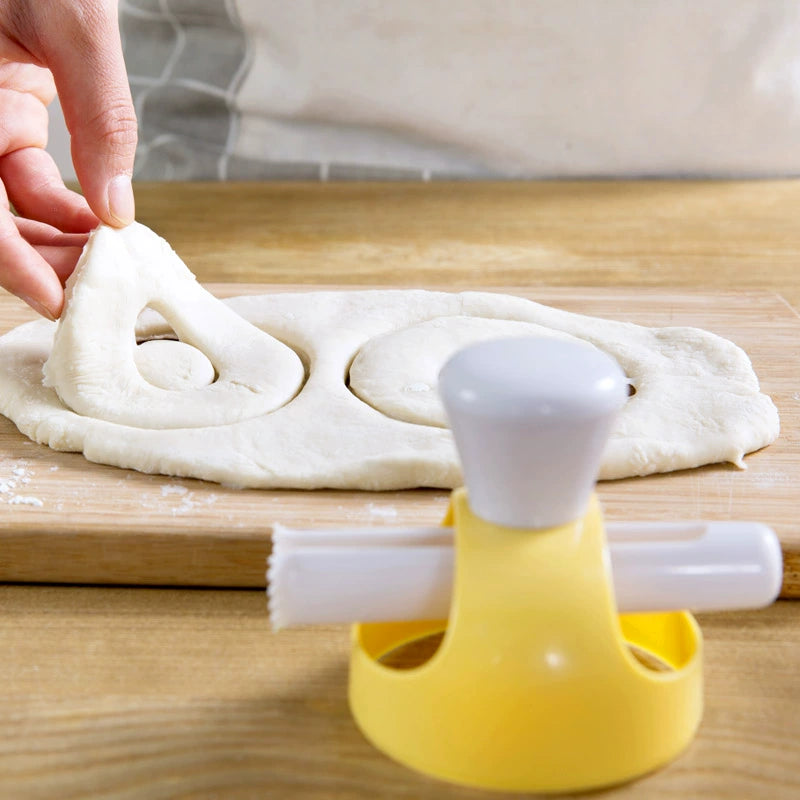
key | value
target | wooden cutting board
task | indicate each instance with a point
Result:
(63, 519)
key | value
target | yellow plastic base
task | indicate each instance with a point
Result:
(534, 687)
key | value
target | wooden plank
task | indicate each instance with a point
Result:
(716, 235)
(100, 524)
(165, 693)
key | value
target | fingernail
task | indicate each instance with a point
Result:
(38, 307)
(121, 205)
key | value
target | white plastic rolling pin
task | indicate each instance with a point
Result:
(530, 418)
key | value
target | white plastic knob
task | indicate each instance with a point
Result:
(531, 418)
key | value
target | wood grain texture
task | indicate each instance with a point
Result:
(678, 234)
(99, 524)
(131, 693)
(140, 692)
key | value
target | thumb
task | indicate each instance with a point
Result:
(85, 57)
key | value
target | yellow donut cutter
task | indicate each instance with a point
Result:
(538, 684)
(534, 687)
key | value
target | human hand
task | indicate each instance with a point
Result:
(72, 45)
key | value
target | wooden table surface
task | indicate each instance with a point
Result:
(143, 692)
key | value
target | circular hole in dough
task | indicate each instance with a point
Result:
(174, 365)
(152, 325)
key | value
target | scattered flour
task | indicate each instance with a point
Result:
(173, 488)
(385, 512)
(20, 474)
(189, 503)
(179, 500)
(22, 500)
(772, 479)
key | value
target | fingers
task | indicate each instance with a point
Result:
(35, 188)
(23, 121)
(81, 46)
(78, 41)
(61, 260)
(41, 234)
(60, 250)
(26, 273)
(28, 79)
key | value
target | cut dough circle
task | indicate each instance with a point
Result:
(173, 365)
(92, 366)
(404, 387)
(270, 422)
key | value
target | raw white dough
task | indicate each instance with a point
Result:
(397, 373)
(173, 365)
(92, 365)
(697, 398)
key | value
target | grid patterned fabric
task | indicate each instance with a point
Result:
(185, 60)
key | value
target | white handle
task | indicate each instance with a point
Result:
(732, 565)
(384, 574)
(531, 418)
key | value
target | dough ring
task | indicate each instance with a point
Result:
(92, 366)
(173, 365)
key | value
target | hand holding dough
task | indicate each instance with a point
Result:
(331, 389)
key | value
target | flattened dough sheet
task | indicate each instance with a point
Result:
(345, 395)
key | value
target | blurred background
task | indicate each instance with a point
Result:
(58, 143)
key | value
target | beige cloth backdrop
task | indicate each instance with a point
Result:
(428, 89)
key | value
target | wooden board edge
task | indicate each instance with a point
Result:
(233, 563)
(87, 558)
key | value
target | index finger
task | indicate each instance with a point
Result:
(81, 46)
